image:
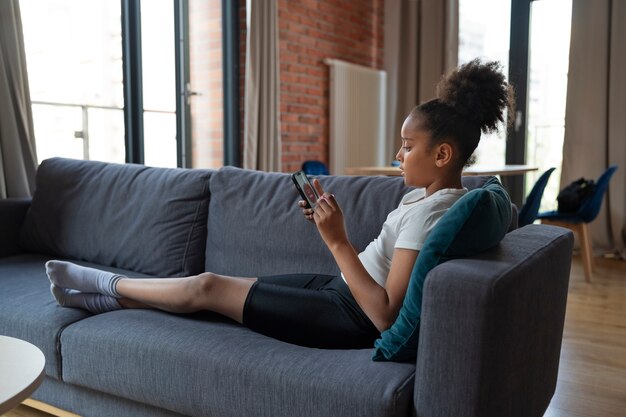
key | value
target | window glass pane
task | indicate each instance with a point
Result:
(547, 91)
(159, 81)
(74, 57)
(484, 32)
(157, 49)
(102, 124)
(54, 129)
(161, 129)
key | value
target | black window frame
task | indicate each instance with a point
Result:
(231, 50)
(133, 82)
(519, 52)
(183, 112)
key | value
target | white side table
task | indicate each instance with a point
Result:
(21, 371)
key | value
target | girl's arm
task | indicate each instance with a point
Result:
(380, 304)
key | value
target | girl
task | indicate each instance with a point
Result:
(350, 310)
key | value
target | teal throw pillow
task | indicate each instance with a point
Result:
(476, 222)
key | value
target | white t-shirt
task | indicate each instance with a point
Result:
(407, 228)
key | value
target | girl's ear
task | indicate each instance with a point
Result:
(443, 155)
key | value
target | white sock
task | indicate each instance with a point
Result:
(94, 303)
(87, 280)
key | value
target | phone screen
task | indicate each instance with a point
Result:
(305, 188)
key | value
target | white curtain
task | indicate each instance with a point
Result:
(595, 125)
(421, 44)
(18, 158)
(262, 144)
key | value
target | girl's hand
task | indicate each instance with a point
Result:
(329, 218)
(308, 212)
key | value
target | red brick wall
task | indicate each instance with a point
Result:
(309, 32)
(205, 72)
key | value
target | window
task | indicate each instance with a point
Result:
(173, 104)
(74, 56)
(547, 91)
(159, 82)
(533, 38)
(484, 27)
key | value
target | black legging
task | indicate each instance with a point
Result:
(309, 310)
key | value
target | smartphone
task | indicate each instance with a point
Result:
(305, 188)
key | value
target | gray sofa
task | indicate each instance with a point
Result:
(491, 325)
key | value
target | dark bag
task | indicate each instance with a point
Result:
(574, 195)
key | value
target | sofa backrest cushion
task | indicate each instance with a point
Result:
(149, 220)
(476, 222)
(256, 227)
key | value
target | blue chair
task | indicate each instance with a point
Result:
(314, 168)
(530, 209)
(578, 221)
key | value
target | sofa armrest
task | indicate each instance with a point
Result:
(12, 214)
(491, 330)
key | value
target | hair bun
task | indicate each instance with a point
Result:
(477, 92)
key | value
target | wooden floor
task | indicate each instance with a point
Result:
(23, 411)
(592, 374)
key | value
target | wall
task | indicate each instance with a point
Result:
(205, 73)
(309, 32)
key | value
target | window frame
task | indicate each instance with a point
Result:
(519, 51)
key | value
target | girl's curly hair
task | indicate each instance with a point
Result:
(471, 99)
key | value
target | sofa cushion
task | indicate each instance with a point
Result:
(476, 222)
(29, 312)
(27, 309)
(255, 218)
(205, 365)
(256, 227)
(149, 220)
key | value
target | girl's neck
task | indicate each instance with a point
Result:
(443, 183)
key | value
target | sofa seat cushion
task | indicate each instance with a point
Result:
(149, 220)
(205, 365)
(29, 312)
(27, 309)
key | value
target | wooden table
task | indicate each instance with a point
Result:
(21, 371)
(473, 170)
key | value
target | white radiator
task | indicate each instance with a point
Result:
(357, 116)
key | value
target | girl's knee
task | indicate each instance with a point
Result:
(221, 294)
(205, 283)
